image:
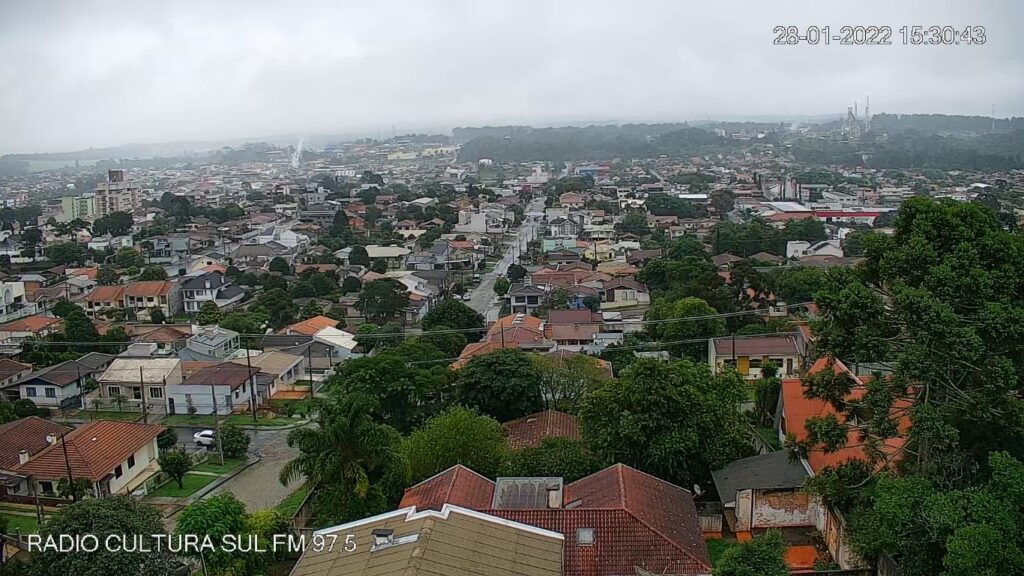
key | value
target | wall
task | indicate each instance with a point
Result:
(143, 456)
(202, 400)
(778, 509)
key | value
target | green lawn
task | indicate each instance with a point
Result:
(718, 546)
(16, 522)
(108, 415)
(212, 464)
(290, 505)
(769, 435)
(191, 484)
(237, 419)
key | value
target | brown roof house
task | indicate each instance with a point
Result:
(224, 387)
(749, 354)
(615, 522)
(115, 457)
(58, 386)
(19, 441)
(452, 541)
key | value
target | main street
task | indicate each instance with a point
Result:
(482, 297)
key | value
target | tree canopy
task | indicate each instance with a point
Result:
(503, 384)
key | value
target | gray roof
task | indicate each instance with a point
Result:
(190, 355)
(199, 282)
(526, 290)
(765, 472)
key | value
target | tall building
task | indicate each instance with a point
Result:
(117, 194)
(83, 207)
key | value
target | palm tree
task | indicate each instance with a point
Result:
(347, 447)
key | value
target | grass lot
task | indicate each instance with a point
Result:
(769, 435)
(191, 484)
(212, 464)
(718, 546)
(207, 420)
(16, 522)
(290, 505)
(108, 415)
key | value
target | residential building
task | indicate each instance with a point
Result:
(20, 440)
(573, 329)
(142, 297)
(116, 457)
(58, 386)
(117, 194)
(616, 521)
(453, 541)
(394, 256)
(103, 299)
(749, 354)
(137, 382)
(765, 492)
(525, 299)
(624, 293)
(513, 331)
(78, 207)
(12, 334)
(11, 372)
(565, 228)
(222, 387)
(210, 286)
(13, 302)
(213, 341)
(800, 248)
(310, 326)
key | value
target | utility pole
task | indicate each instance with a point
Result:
(252, 385)
(309, 367)
(67, 466)
(142, 388)
(216, 424)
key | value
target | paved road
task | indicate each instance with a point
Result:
(257, 486)
(482, 297)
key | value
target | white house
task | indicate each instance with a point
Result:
(222, 387)
(211, 286)
(800, 248)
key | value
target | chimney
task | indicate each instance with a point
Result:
(383, 537)
(22, 456)
(554, 498)
(207, 283)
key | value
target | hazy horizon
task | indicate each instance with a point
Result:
(111, 72)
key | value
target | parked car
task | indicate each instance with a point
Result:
(205, 438)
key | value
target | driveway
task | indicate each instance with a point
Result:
(482, 296)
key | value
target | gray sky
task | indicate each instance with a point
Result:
(82, 73)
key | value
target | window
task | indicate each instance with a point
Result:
(113, 391)
(46, 487)
(50, 392)
(131, 461)
(137, 393)
(156, 392)
(585, 536)
(118, 472)
(30, 391)
(755, 362)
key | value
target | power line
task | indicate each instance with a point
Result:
(392, 335)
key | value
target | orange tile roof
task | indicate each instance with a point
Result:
(310, 326)
(34, 324)
(526, 321)
(797, 409)
(94, 450)
(106, 294)
(148, 288)
(25, 434)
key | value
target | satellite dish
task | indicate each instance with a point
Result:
(697, 490)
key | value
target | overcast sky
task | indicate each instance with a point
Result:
(82, 73)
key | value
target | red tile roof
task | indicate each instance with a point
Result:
(457, 485)
(148, 288)
(94, 450)
(106, 294)
(10, 368)
(25, 434)
(531, 430)
(310, 326)
(638, 520)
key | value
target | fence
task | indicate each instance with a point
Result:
(300, 522)
(709, 514)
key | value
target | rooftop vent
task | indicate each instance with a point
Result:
(22, 456)
(584, 536)
(383, 537)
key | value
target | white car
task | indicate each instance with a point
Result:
(205, 438)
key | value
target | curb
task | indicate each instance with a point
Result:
(213, 486)
(250, 427)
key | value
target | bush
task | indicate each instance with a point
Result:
(234, 441)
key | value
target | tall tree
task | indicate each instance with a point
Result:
(456, 436)
(455, 315)
(502, 384)
(208, 314)
(382, 299)
(676, 421)
(762, 556)
(103, 517)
